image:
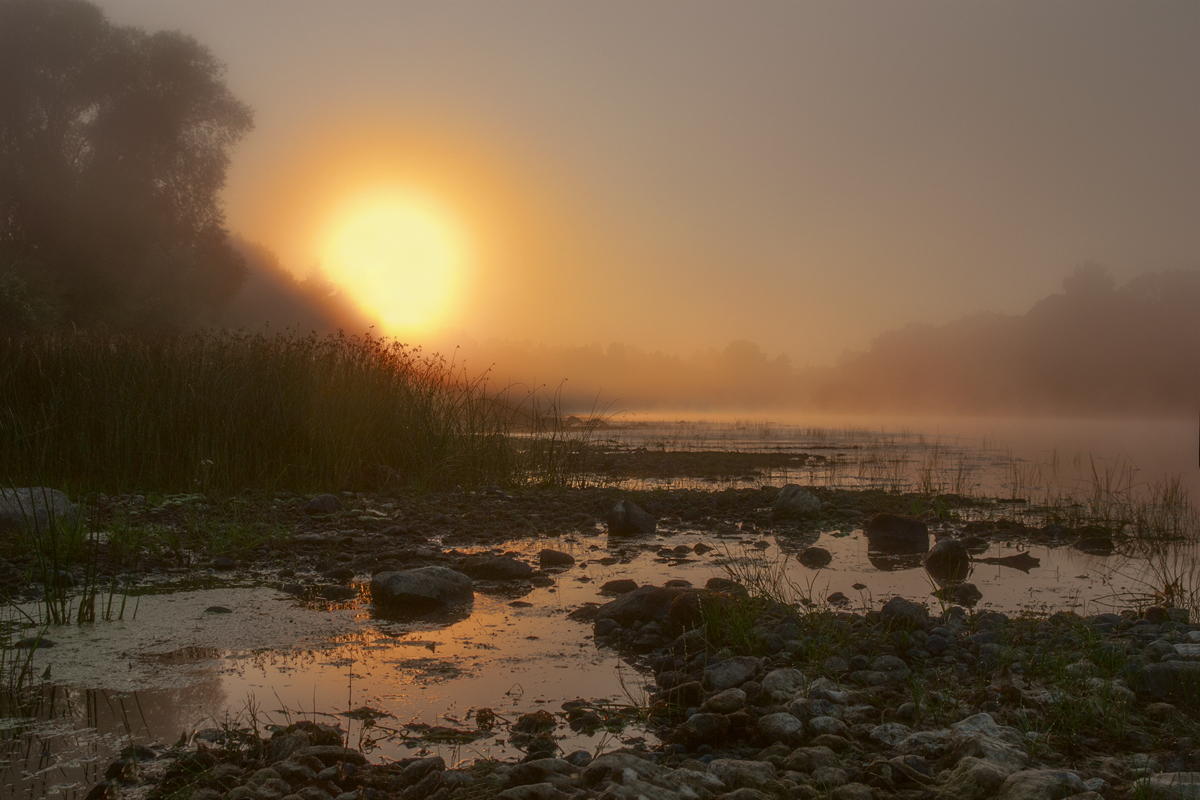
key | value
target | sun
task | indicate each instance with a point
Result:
(398, 256)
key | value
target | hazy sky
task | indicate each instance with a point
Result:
(681, 174)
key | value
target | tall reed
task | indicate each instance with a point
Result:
(225, 412)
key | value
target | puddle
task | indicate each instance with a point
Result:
(180, 665)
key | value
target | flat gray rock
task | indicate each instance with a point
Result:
(35, 507)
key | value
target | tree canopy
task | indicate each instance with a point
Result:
(114, 144)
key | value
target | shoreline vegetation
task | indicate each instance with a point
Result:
(228, 412)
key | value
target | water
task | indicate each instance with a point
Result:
(986, 457)
(173, 666)
(177, 668)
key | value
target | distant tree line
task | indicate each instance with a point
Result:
(1095, 348)
(114, 144)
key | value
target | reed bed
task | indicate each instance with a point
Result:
(229, 412)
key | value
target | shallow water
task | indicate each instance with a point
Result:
(987, 457)
(177, 667)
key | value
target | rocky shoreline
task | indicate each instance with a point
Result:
(891, 703)
(752, 698)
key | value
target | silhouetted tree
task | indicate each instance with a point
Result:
(114, 144)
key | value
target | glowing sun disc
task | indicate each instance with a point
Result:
(398, 258)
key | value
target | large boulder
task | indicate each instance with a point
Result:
(421, 590)
(35, 507)
(793, 502)
(896, 534)
(626, 518)
(644, 604)
(948, 561)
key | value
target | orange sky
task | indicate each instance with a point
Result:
(679, 175)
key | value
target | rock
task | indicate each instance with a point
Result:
(793, 501)
(555, 558)
(948, 561)
(836, 664)
(329, 755)
(972, 779)
(1040, 784)
(902, 613)
(809, 759)
(533, 791)
(495, 568)
(890, 734)
(224, 563)
(1169, 786)
(966, 594)
(781, 727)
(283, 746)
(892, 533)
(852, 791)
(829, 777)
(889, 663)
(815, 557)
(1169, 680)
(702, 728)
(827, 726)
(730, 672)
(33, 643)
(604, 627)
(422, 589)
(339, 594)
(725, 702)
(37, 508)
(978, 736)
(1096, 544)
(627, 518)
(685, 695)
(726, 586)
(781, 685)
(687, 610)
(736, 774)
(806, 708)
(619, 586)
(554, 771)
(323, 504)
(644, 604)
